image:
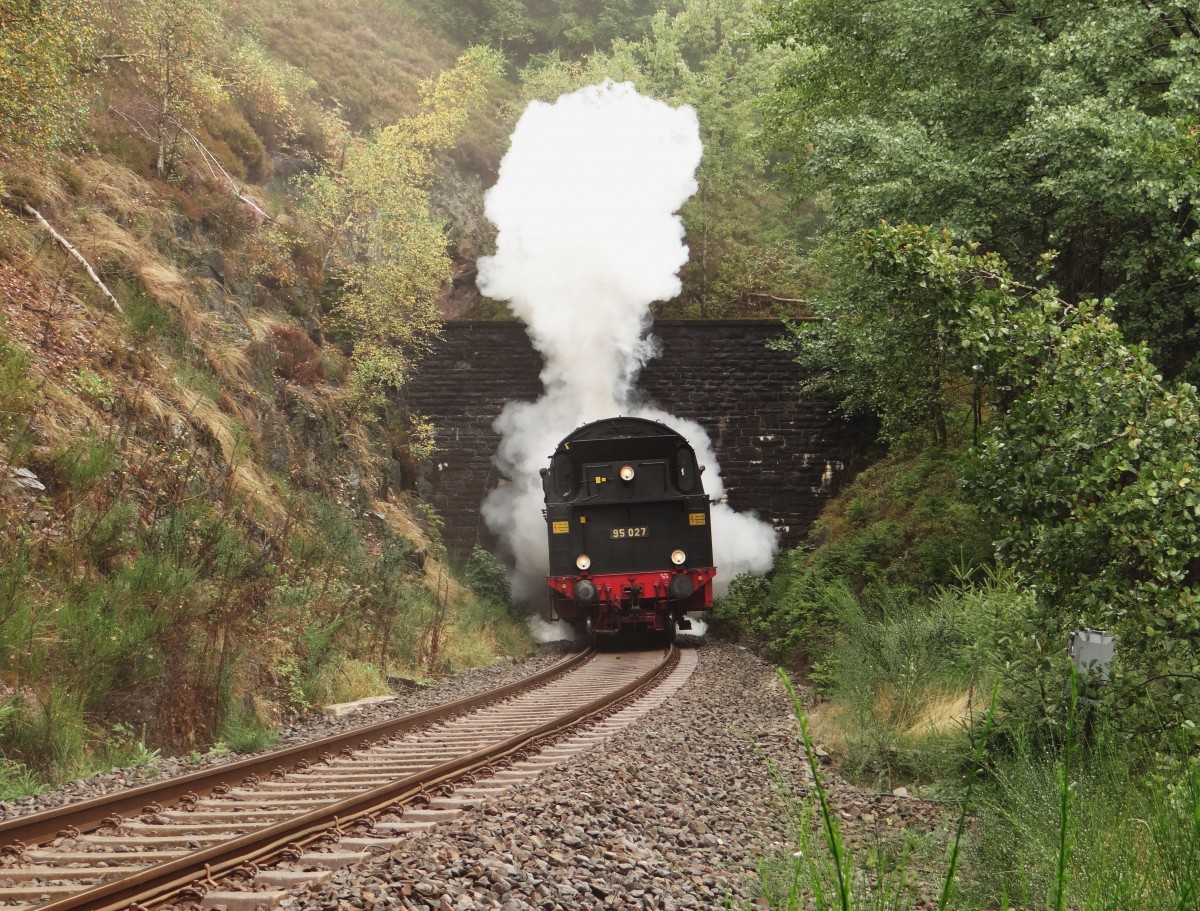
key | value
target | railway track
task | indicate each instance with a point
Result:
(318, 806)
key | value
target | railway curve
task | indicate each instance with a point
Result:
(170, 838)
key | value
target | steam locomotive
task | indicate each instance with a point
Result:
(628, 525)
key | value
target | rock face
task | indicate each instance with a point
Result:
(782, 454)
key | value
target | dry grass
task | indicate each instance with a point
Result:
(832, 724)
(943, 713)
(245, 474)
(34, 182)
(231, 363)
(129, 199)
(837, 726)
(437, 575)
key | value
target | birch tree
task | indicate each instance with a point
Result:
(383, 246)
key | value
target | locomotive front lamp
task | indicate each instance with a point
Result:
(626, 472)
(677, 557)
(583, 561)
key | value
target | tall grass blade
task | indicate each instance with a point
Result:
(841, 860)
(976, 759)
(1061, 874)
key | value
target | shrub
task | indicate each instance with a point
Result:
(296, 357)
(245, 732)
(88, 461)
(488, 579)
(17, 399)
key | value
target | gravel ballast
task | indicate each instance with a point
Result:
(675, 812)
(312, 726)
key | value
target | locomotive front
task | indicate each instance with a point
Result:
(628, 524)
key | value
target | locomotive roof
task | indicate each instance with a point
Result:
(621, 428)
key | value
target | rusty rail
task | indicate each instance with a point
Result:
(87, 815)
(170, 879)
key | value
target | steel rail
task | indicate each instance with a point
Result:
(88, 815)
(168, 880)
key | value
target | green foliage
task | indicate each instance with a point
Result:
(148, 319)
(17, 400)
(382, 241)
(1097, 834)
(88, 460)
(45, 47)
(244, 732)
(94, 387)
(190, 58)
(16, 780)
(1089, 464)
(488, 579)
(904, 671)
(1074, 132)
(1132, 829)
(898, 532)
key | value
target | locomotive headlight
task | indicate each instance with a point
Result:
(626, 472)
(583, 561)
(677, 557)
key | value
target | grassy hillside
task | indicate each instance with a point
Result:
(206, 525)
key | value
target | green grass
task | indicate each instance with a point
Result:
(1100, 825)
(244, 732)
(18, 396)
(17, 780)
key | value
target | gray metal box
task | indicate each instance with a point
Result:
(1091, 651)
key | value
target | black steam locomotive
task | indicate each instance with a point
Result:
(628, 524)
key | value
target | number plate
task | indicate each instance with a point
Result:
(639, 532)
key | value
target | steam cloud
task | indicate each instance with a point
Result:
(588, 237)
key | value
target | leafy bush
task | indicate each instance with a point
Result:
(1086, 466)
(902, 529)
(488, 579)
(297, 358)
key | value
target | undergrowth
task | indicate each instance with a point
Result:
(1086, 826)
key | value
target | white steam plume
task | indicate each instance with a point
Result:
(588, 237)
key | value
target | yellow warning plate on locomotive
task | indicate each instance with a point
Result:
(562, 528)
(695, 518)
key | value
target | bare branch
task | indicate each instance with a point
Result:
(782, 300)
(211, 160)
(67, 246)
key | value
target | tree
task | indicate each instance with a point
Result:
(1026, 126)
(190, 56)
(45, 46)
(382, 242)
(1088, 464)
(886, 340)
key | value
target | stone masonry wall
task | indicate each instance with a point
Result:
(781, 455)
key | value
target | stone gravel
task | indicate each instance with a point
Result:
(310, 726)
(673, 813)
